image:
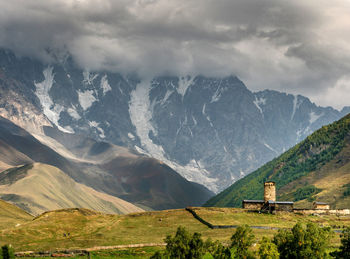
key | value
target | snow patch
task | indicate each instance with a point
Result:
(194, 120)
(203, 109)
(73, 113)
(89, 78)
(95, 124)
(314, 117)
(194, 172)
(86, 99)
(258, 102)
(51, 110)
(296, 105)
(166, 96)
(140, 150)
(241, 174)
(141, 115)
(269, 147)
(184, 84)
(105, 85)
(217, 95)
(131, 136)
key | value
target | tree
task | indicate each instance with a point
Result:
(178, 246)
(242, 240)
(7, 252)
(185, 246)
(344, 251)
(196, 245)
(268, 250)
(218, 251)
(303, 242)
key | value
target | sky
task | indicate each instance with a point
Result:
(299, 47)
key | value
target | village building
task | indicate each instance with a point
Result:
(269, 204)
(316, 205)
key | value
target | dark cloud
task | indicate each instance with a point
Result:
(294, 46)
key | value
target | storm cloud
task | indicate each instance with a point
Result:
(294, 46)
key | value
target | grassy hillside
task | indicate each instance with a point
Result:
(303, 173)
(39, 187)
(10, 215)
(82, 228)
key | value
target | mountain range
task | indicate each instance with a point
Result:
(212, 131)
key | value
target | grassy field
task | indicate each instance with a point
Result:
(81, 228)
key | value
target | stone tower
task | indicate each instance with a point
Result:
(269, 191)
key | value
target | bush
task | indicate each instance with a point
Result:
(303, 242)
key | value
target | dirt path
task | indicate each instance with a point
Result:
(84, 251)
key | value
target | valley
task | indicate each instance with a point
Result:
(81, 228)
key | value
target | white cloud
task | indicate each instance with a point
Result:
(294, 46)
(338, 95)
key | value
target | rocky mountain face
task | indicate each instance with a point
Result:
(212, 131)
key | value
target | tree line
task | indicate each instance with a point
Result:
(301, 242)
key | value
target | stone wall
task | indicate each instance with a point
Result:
(284, 207)
(322, 211)
(252, 206)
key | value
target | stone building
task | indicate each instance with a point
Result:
(269, 191)
(253, 204)
(316, 205)
(269, 204)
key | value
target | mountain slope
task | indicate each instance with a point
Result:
(38, 187)
(88, 161)
(10, 215)
(315, 169)
(152, 183)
